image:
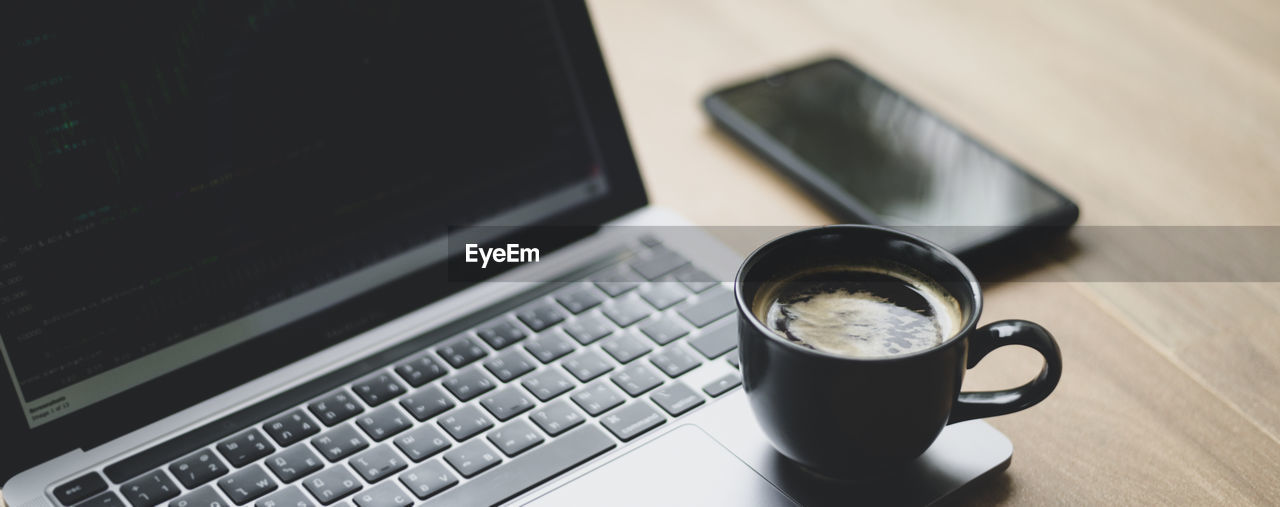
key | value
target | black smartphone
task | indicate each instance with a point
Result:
(871, 155)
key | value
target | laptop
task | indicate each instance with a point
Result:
(289, 254)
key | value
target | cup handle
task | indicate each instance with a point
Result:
(977, 405)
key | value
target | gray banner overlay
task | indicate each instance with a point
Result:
(1149, 254)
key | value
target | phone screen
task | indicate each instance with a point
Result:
(900, 162)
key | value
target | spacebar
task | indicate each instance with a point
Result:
(535, 467)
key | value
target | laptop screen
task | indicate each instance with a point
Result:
(184, 177)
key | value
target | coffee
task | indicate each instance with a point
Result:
(874, 291)
(859, 311)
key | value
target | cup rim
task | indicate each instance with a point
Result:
(970, 322)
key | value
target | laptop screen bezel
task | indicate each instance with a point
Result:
(156, 399)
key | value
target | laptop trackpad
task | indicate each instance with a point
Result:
(683, 467)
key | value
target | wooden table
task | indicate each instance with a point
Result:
(1147, 112)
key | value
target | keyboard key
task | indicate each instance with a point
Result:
(377, 463)
(501, 334)
(245, 447)
(677, 398)
(664, 329)
(427, 479)
(695, 279)
(588, 328)
(468, 383)
(247, 484)
(509, 365)
(378, 389)
(107, 499)
(548, 383)
(617, 281)
(507, 403)
(557, 417)
(632, 420)
(472, 458)
(465, 422)
(657, 262)
(674, 361)
(597, 398)
(663, 295)
(150, 489)
(579, 299)
(626, 310)
(332, 484)
(532, 469)
(294, 463)
(420, 370)
(548, 347)
(287, 497)
(383, 423)
(733, 357)
(386, 494)
(587, 365)
(198, 468)
(708, 308)
(427, 402)
(339, 442)
(80, 488)
(515, 437)
(291, 428)
(335, 408)
(626, 347)
(716, 341)
(203, 497)
(422, 443)
(723, 384)
(637, 379)
(539, 316)
(461, 351)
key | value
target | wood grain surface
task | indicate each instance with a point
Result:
(1146, 112)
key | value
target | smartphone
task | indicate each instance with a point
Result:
(872, 155)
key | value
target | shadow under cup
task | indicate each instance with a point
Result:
(843, 416)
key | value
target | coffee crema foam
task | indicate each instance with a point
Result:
(861, 311)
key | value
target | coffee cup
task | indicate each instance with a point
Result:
(874, 394)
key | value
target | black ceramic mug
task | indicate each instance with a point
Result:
(839, 415)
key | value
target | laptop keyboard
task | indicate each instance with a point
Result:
(480, 417)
